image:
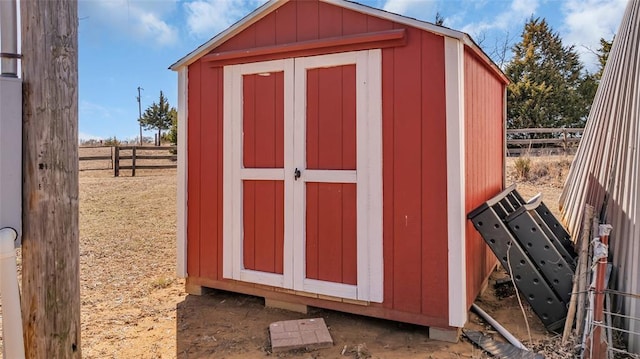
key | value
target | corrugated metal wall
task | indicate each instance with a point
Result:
(608, 160)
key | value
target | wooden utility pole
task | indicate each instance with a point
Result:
(50, 254)
(139, 114)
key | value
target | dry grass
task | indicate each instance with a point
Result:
(133, 306)
(127, 265)
(548, 171)
(545, 174)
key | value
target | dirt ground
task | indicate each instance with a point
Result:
(133, 306)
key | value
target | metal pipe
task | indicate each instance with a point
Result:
(598, 348)
(11, 313)
(8, 38)
(502, 330)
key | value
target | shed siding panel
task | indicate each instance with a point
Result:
(269, 225)
(249, 209)
(484, 142)
(266, 31)
(263, 225)
(246, 39)
(378, 24)
(307, 28)
(331, 232)
(414, 156)
(301, 20)
(286, 24)
(263, 121)
(209, 177)
(414, 197)
(329, 20)
(388, 151)
(204, 172)
(354, 23)
(407, 194)
(331, 118)
(434, 179)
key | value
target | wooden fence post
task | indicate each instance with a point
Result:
(133, 162)
(564, 139)
(116, 160)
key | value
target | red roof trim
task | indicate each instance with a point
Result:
(380, 39)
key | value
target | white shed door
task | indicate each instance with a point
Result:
(302, 174)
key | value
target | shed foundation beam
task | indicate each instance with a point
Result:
(192, 288)
(279, 304)
(450, 334)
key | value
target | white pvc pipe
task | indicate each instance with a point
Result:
(8, 37)
(11, 314)
(505, 333)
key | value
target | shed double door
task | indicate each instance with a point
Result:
(302, 174)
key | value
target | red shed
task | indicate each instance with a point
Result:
(328, 155)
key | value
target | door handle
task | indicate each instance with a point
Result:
(296, 174)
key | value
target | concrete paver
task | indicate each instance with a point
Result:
(301, 333)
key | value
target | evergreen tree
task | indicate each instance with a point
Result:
(590, 82)
(158, 116)
(172, 136)
(548, 87)
(603, 55)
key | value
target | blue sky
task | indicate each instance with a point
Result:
(124, 44)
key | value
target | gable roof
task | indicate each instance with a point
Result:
(273, 5)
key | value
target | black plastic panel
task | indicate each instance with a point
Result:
(526, 236)
(533, 286)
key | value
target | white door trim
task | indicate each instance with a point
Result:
(367, 176)
(234, 172)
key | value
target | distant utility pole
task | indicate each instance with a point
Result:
(140, 113)
(50, 243)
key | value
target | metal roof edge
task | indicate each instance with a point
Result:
(423, 25)
(420, 24)
(467, 40)
(272, 5)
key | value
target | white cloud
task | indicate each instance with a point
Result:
(142, 19)
(586, 21)
(205, 18)
(163, 33)
(419, 9)
(504, 20)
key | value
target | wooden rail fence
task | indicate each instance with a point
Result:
(541, 140)
(105, 157)
(519, 141)
(133, 156)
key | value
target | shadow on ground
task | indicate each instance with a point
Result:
(222, 324)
